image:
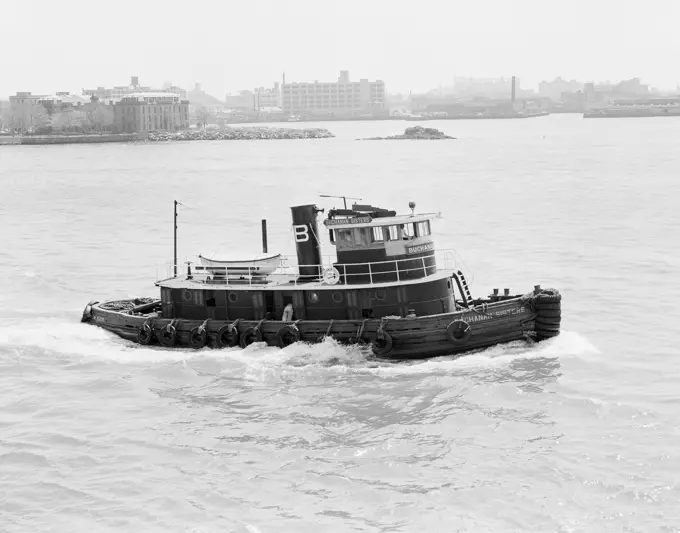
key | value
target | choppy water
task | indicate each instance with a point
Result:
(579, 433)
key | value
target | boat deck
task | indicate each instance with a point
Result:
(280, 282)
(327, 276)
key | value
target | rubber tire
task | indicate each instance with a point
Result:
(168, 338)
(198, 337)
(249, 336)
(548, 305)
(382, 346)
(454, 327)
(547, 329)
(87, 312)
(232, 339)
(546, 334)
(145, 340)
(548, 321)
(549, 313)
(284, 334)
(548, 298)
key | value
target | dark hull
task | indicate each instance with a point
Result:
(530, 317)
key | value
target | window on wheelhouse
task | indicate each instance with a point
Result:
(362, 236)
(344, 239)
(407, 231)
(378, 234)
(392, 233)
(423, 229)
(344, 236)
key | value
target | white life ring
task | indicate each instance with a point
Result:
(331, 276)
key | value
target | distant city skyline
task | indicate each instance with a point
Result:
(535, 40)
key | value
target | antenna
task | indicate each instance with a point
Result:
(344, 198)
(174, 264)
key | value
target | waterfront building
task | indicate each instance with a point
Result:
(498, 88)
(243, 101)
(343, 97)
(117, 93)
(28, 111)
(607, 93)
(26, 98)
(267, 98)
(554, 89)
(4, 115)
(151, 111)
(258, 98)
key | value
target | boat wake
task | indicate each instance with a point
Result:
(64, 338)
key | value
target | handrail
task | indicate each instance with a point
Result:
(287, 269)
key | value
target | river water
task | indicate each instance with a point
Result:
(580, 433)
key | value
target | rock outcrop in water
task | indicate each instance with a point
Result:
(416, 133)
(233, 134)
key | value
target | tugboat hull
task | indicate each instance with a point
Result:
(532, 317)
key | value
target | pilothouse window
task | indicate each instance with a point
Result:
(378, 234)
(407, 232)
(392, 233)
(362, 236)
(423, 228)
(344, 235)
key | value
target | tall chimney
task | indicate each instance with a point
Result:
(306, 233)
(512, 97)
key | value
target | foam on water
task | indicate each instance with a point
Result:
(71, 338)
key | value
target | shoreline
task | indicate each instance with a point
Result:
(70, 139)
(248, 130)
(283, 120)
(255, 132)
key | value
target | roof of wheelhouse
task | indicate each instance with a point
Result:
(376, 222)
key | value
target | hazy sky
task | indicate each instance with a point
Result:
(416, 45)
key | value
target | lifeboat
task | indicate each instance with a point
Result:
(386, 286)
(263, 264)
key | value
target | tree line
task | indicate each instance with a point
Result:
(35, 118)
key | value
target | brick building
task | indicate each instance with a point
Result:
(151, 112)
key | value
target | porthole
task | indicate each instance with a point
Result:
(186, 295)
(233, 297)
(380, 295)
(337, 297)
(313, 297)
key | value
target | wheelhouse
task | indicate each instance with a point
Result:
(376, 244)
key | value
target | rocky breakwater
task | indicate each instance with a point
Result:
(242, 134)
(416, 133)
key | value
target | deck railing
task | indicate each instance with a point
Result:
(287, 271)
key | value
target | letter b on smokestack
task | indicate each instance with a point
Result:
(306, 233)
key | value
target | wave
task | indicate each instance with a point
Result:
(258, 362)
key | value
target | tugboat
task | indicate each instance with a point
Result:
(387, 288)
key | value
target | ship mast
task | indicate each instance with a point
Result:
(174, 264)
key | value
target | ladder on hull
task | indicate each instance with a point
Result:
(463, 287)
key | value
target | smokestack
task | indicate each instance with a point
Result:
(306, 234)
(512, 97)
